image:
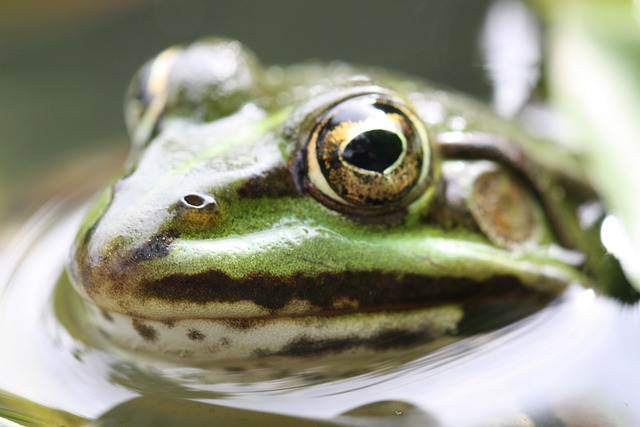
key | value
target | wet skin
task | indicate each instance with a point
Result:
(322, 206)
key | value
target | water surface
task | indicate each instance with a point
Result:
(574, 361)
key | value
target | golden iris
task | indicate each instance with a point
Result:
(368, 154)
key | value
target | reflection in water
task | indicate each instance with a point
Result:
(575, 360)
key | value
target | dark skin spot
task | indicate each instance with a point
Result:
(170, 323)
(147, 332)
(277, 182)
(195, 335)
(107, 316)
(156, 247)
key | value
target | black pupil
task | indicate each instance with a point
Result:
(374, 150)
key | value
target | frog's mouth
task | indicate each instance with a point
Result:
(175, 294)
(211, 314)
(235, 278)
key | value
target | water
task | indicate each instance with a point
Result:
(573, 363)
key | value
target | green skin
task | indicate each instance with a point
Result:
(208, 120)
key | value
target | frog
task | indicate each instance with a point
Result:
(323, 207)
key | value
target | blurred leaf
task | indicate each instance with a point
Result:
(13, 410)
(594, 73)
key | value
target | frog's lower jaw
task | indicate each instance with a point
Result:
(219, 339)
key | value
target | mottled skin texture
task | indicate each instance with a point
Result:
(217, 218)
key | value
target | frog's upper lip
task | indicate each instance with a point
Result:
(330, 293)
(237, 277)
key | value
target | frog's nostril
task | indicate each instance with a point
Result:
(198, 200)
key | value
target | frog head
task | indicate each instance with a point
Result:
(284, 210)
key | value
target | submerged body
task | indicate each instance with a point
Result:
(322, 207)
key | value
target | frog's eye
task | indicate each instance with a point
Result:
(367, 155)
(204, 81)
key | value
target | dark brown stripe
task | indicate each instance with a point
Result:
(386, 340)
(373, 290)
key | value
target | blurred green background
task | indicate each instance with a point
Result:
(65, 65)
